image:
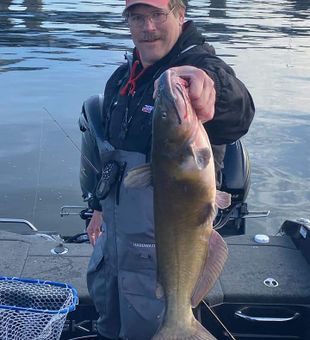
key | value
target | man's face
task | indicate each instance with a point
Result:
(154, 40)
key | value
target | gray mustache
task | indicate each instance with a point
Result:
(149, 36)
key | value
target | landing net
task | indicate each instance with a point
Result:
(34, 309)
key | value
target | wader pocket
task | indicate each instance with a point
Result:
(136, 256)
(96, 277)
(139, 305)
(97, 258)
(137, 289)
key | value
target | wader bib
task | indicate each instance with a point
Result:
(122, 270)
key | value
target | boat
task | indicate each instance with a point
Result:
(262, 293)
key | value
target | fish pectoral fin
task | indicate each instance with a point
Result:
(201, 156)
(213, 266)
(139, 177)
(223, 199)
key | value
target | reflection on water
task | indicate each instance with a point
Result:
(217, 9)
(54, 54)
(51, 23)
(31, 8)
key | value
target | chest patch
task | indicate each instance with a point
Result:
(147, 108)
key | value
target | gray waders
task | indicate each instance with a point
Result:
(122, 270)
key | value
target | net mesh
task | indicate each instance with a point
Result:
(33, 310)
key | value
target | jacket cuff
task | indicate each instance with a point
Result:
(216, 80)
(94, 204)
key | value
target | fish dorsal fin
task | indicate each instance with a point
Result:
(213, 266)
(201, 156)
(223, 199)
(139, 177)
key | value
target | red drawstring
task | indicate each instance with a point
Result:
(131, 83)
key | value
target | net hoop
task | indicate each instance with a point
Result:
(65, 310)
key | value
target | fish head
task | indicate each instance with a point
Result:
(180, 142)
(174, 118)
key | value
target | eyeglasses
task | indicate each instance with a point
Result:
(138, 20)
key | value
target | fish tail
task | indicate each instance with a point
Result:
(195, 332)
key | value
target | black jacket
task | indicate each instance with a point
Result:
(126, 116)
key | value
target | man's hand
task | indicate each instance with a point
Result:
(94, 227)
(201, 90)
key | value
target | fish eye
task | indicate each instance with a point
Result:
(164, 114)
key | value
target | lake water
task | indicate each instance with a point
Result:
(56, 53)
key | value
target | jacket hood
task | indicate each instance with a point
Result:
(190, 36)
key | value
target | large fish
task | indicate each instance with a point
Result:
(190, 254)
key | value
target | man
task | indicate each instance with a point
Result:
(117, 137)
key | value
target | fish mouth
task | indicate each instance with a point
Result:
(180, 89)
(174, 92)
(182, 103)
(173, 97)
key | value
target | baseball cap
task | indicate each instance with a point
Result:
(154, 3)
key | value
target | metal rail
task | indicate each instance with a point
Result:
(18, 220)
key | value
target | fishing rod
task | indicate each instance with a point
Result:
(71, 140)
(226, 331)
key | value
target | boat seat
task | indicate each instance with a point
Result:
(236, 171)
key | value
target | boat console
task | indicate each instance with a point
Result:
(264, 289)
